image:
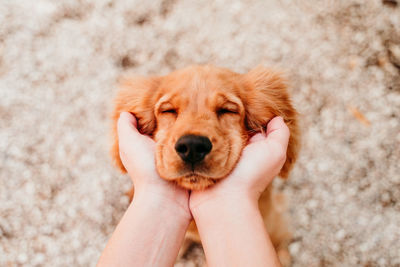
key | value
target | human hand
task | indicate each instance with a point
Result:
(261, 160)
(137, 155)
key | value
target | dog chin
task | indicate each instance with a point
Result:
(195, 182)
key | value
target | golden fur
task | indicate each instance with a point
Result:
(222, 105)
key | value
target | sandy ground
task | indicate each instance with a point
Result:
(60, 197)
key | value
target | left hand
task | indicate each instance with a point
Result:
(261, 160)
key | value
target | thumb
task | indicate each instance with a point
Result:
(128, 135)
(126, 125)
(278, 132)
(267, 151)
(254, 156)
(135, 149)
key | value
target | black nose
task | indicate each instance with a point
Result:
(193, 148)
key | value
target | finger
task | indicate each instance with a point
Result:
(126, 127)
(256, 153)
(126, 120)
(135, 149)
(129, 116)
(257, 137)
(277, 131)
(129, 137)
(128, 134)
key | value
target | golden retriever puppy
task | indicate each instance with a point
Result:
(201, 117)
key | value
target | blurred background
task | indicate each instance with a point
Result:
(60, 196)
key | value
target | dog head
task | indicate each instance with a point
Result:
(201, 118)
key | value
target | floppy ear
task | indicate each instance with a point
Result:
(138, 96)
(265, 97)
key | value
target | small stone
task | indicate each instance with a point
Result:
(312, 204)
(382, 262)
(340, 234)
(38, 259)
(353, 62)
(335, 247)
(390, 3)
(22, 258)
(294, 248)
(394, 54)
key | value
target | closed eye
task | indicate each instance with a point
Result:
(223, 111)
(170, 111)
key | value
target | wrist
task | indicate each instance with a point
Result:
(218, 205)
(163, 204)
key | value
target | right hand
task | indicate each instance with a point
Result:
(137, 156)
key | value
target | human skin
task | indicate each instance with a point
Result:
(230, 225)
(152, 229)
(227, 216)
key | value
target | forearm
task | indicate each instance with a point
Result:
(233, 234)
(149, 234)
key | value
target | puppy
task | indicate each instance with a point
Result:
(201, 118)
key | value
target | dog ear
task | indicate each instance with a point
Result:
(265, 97)
(138, 96)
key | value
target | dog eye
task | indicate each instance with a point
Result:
(223, 111)
(170, 111)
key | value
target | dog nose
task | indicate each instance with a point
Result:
(193, 148)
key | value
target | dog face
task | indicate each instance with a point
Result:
(201, 118)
